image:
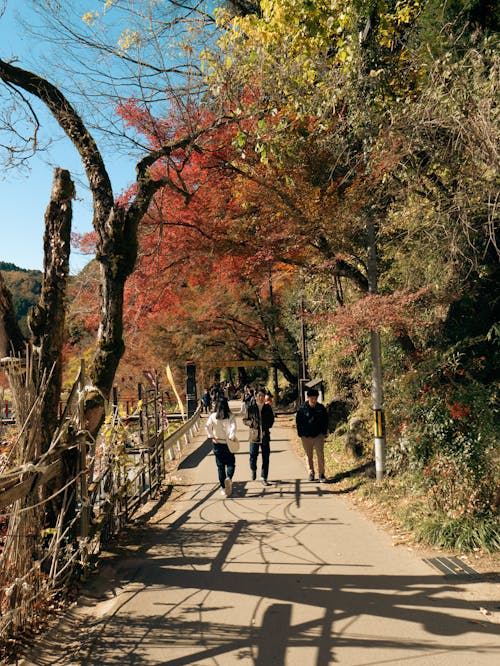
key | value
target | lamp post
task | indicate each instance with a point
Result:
(303, 348)
(272, 324)
(191, 398)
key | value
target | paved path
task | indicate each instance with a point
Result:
(287, 575)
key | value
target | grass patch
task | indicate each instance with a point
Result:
(465, 535)
(405, 506)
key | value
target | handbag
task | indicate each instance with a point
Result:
(254, 435)
(233, 444)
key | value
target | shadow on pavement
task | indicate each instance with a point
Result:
(370, 466)
(122, 639)
(199, 562)
(194, 458)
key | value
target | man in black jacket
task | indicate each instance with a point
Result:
(312, 428)
(259, 419)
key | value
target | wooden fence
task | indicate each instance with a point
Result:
(112, 478)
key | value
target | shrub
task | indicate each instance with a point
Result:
(464, 535)
(458, 488)
(446, 441)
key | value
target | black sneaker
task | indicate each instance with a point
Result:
(311, 476)
(254, 475)
(322, 478)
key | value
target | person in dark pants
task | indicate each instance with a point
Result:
(259, 419)
(206, 401)
(312, 428)
(220, 427)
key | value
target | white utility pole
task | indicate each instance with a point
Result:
(376, 358)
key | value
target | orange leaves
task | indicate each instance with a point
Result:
(375, 312)
(458, 410)
(85, 243)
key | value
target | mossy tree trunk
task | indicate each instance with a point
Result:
(47, 319)
(12, 341)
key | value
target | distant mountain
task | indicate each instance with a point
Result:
(25, 286)
(7, 266)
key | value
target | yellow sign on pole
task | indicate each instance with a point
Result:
(378, 422)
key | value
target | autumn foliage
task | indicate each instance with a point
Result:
(317, 120)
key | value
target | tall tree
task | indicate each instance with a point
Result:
(114, 224)
(203, 249)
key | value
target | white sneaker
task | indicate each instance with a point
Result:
(228, 486)
(223, 492)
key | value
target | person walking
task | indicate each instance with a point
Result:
(259, 418)
(206, 401)
(312, 428)
(248, 398)
(221, 427)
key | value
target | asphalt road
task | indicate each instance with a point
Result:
(285, 575)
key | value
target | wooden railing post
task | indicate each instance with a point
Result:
(162, 440)
(141, 413)
(115, 403)
(84, 480)
(140, 396)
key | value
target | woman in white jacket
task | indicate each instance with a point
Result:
(220, 427)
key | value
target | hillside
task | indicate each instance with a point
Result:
(25, 286)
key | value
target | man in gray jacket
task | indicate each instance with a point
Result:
(312, 428)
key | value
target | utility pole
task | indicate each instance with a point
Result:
(303, 350)
(375, 346)
(376, 358)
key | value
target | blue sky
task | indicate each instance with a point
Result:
(24, 200)
(24, 195)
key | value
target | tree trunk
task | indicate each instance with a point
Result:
(46, 320)
(12, 341)
(290, 377)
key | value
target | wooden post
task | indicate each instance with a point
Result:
(157, 434)
(141, 435)
(162, 421)
(141, 413)
(84, 480)
(115, 403)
